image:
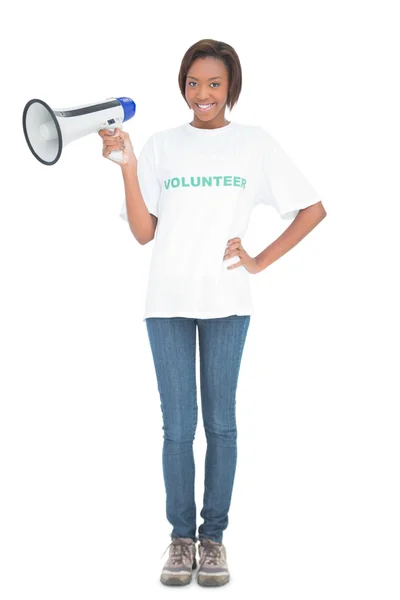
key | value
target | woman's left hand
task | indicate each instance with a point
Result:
(235, 248)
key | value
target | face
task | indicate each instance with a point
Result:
(207, 83)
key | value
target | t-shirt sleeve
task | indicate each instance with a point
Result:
(283, 185)
(148, 182)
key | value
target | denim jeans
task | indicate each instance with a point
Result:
(173, 345)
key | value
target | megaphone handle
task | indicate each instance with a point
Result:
(116, 155)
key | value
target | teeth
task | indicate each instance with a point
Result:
(204, 105)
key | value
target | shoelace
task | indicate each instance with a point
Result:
(180, 549)
(211, 553)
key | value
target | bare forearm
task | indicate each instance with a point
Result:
(306, 220)
(140, 220)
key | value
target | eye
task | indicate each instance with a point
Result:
(213, 83)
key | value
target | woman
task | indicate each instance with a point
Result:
(192, 190)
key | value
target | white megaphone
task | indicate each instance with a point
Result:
(47, 131)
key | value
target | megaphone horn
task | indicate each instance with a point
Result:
(47, 131)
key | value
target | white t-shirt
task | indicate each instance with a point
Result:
(202, 185)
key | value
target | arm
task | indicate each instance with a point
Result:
(305, 221)
(142, 223)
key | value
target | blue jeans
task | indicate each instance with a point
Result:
(173, 345)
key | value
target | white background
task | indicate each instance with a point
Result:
(314, 511)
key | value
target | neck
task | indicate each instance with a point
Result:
(218, 121)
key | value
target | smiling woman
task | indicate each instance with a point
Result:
(201, 181)
(210, 80)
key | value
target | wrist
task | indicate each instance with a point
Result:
(258, 263)
(262, 261)
(129, 166)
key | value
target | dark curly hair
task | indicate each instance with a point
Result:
(221, 51)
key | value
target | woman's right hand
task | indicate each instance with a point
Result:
(118, 140)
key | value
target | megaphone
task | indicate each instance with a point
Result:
(47, 131)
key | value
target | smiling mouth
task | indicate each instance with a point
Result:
(205, 107)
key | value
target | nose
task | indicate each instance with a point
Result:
(200, 100)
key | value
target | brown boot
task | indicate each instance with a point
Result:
(181, 561)
(213, 569)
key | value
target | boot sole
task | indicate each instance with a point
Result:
(176, 580)
(212, 581)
